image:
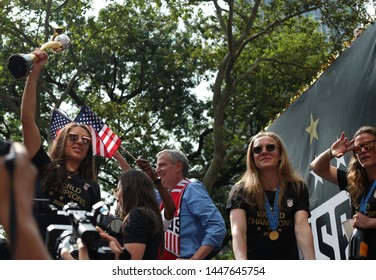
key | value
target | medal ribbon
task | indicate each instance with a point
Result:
(364, 199)
(273, 217)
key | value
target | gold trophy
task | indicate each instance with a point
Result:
(20, 65)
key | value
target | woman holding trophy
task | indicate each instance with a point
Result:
(20, 65)
(66, 172)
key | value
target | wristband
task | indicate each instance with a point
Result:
(330, 152)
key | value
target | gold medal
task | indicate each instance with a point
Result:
(273, 235)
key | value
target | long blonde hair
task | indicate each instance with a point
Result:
(250, 182)
(357, 177)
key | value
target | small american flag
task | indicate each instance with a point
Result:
(105, 141)
(58, 121)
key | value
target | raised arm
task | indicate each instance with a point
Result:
(321, 164)
(121, 161)
(168, 202)
(30, 130)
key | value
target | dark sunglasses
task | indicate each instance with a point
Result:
(370, 145)
(74, 138)
(257, 150)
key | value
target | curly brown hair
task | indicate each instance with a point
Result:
(357, 177)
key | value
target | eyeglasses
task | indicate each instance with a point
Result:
(370, 145)
(74, 138)
(257, 150)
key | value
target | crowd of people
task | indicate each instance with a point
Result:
(166, 215)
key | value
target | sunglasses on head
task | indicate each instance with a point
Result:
(369, 145)
(257, 150)
(74, 138)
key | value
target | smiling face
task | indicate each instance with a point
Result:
(366, 150)
(77, 144)
(170, 172)
(266, 153)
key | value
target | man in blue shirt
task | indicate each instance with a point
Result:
(197, 228)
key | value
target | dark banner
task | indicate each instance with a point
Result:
(342, 99)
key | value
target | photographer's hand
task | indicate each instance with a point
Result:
(17, 179)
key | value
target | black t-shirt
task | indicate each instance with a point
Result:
(259, 245)
(370, 234)
(139, 229)
(76, 189)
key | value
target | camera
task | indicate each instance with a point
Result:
(77, 223)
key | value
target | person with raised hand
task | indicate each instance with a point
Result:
(197, 230)
(67, 170)
(359, 179)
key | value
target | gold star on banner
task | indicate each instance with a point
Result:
(312, 130)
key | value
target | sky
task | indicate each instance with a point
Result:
(98, 5)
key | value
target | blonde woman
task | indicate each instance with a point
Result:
(269, 206)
